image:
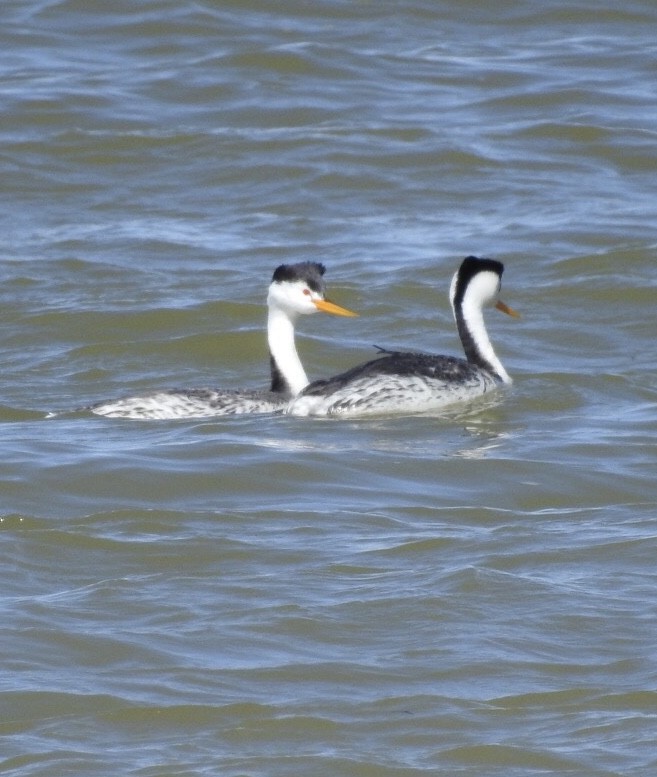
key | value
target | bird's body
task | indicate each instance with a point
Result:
(394, 383)
(295, 290)
(193, 403)
(408, 382)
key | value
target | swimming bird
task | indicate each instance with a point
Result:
(400, 382)
(295, 290)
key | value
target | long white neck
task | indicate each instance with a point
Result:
(474, 337)
(288, 375)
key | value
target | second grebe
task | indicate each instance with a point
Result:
(400, 382)
(295, 290)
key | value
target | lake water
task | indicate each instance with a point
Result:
(271, 596)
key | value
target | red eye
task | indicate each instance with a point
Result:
(306, 292)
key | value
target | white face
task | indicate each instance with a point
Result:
(295, 297)
(482, 289)
(485, 287)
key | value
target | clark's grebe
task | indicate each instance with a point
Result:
(400, 382)
(295, 290)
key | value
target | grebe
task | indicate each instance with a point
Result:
(400, 382)
(295, 290)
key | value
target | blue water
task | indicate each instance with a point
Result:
(466, 595)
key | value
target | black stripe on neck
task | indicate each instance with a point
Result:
(471, 266)
(472, 353)
(278, 383)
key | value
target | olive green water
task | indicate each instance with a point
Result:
(467, 595)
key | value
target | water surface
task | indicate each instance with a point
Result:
(466, 595)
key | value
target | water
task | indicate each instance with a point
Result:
(467, 595)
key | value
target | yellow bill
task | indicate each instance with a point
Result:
(326, 306)
(506, 309)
